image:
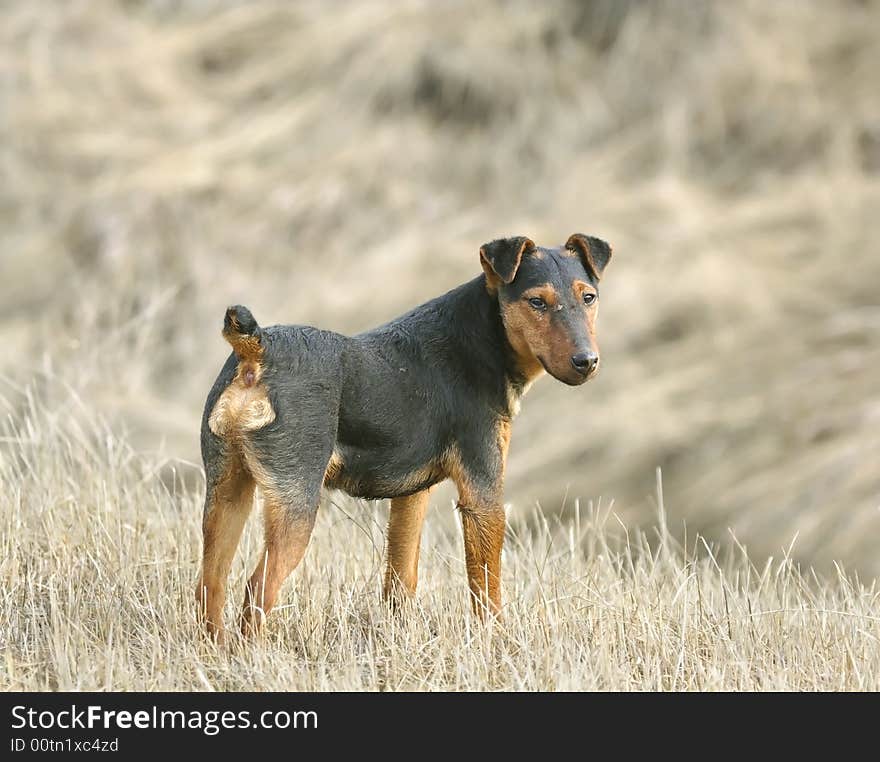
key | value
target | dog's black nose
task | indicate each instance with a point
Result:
(585, 362)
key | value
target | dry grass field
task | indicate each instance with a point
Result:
(99, 561)
(336, 163)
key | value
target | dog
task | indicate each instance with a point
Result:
(388, 414)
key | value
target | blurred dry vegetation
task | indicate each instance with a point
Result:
(335, 163)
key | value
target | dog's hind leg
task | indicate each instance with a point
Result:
(288, 522)
(404, 537)
(228, 503)
(288, 463)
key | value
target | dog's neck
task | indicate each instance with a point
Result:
(483, 338)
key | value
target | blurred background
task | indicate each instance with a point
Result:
(336, 163)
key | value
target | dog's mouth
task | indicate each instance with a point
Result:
(570, 377)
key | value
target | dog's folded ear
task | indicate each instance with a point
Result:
(500, 258)
(594, 252)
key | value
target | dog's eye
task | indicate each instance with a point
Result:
(589, 298)
(538, 303)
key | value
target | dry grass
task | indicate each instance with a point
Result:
(336, 163)
(100, 559)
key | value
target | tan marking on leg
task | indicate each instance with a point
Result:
(483, 527)
(404, 537)
(456, 471)
(334, 468)
(287, 532)
(483, 522)
(503, 432)
(226, 511)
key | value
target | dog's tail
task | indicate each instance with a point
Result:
(242, 332)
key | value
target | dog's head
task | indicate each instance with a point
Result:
(549, 298)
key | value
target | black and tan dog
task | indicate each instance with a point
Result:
(389, 414)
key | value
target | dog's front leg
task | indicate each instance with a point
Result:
(404, 535)
(483, 525)
(476, 465)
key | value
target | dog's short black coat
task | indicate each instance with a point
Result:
(390, 412)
